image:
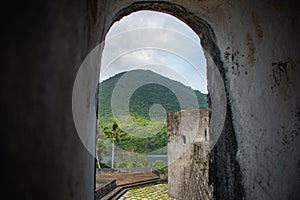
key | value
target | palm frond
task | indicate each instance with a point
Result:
(115, 126)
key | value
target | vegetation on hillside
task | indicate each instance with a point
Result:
(140, 102)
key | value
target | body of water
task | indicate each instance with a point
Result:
(151, 159)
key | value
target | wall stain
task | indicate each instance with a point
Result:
(250, 49)
(227, 54)
(237, 68)
(279, 72)
(258, 28)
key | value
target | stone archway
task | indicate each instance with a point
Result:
(225, 148)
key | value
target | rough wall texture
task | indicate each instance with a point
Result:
(188, 146)
(253, 43)
(42, 156)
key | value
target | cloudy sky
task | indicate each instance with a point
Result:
(157, 42)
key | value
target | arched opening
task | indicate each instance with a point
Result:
(219, 109)
(189, 52)
(168, 54)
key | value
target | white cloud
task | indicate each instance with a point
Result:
(155, 41)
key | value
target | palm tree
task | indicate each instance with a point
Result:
(114, 134)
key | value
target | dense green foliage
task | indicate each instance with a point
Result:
(140, 102)
(158, 164)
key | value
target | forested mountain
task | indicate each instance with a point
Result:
(163, 91)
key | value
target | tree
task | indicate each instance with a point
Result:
(158, 164)
(114, 134)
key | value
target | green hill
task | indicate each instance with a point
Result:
(172, 95)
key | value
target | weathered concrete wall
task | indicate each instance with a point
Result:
(41, 154)
(255, 47)
(254, 44)
(188, 146)
(261, 66)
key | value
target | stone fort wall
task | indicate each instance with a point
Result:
(188, 147)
